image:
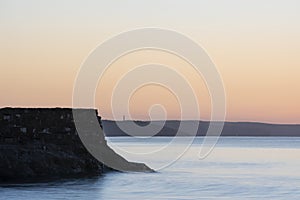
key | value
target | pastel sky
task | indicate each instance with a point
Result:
(254, 44)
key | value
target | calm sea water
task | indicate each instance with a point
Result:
(237, 168)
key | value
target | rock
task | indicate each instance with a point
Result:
(43, 143)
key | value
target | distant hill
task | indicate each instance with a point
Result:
(170, 128)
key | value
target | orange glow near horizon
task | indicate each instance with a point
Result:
(145, 97)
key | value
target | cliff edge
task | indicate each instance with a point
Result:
(43, 143)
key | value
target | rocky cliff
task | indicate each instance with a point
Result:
(43, 143)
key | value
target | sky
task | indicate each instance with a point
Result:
(255, 46)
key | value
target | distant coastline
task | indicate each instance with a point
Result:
(170, 128)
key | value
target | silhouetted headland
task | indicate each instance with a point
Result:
(170, 128)
(43, 144)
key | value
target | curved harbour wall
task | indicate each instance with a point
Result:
(42, 143)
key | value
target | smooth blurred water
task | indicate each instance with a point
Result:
(237, 168)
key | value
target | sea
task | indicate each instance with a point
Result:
(233, 168)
